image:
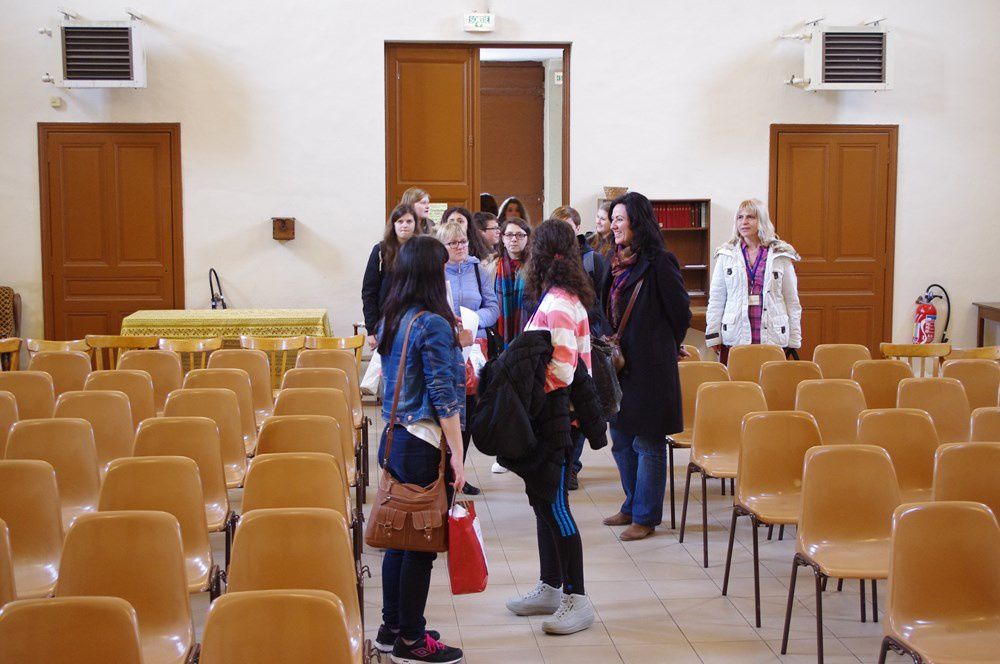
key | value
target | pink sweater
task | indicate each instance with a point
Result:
(563, 315)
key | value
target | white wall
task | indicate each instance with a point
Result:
(281, 108)
(553, 136)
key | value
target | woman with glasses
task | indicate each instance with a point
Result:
(462, 216)
(399, 228)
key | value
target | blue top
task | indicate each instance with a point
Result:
(465, 292)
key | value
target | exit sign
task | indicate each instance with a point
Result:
(479, 22)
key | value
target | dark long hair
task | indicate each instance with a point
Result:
(646, 237)
(555, 261)
(488, 203)
(390, 242)
(418, 282)
(523, 225)
(513, 199)
(477, 245)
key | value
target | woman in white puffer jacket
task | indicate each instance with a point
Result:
(754, 296)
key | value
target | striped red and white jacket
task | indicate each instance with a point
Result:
(563, 315)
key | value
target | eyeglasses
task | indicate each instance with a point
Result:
(457, 244)
(491, 228)
(513, 236)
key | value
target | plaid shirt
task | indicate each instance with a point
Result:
(755, 279)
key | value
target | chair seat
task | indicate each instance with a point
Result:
(784, 509)
(719, 465)
(234, 475)
(215, 516)
(857, 560)
(262, 414)
(198, 571)
(163, 649)
(70, 512)
(915, 495)
(959, 642)
(358, 417)
(34, 581)
(250, 444)
(681, 439)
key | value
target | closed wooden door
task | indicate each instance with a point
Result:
(513, 108)
(111, 224)
(432, 98)
(833, 198)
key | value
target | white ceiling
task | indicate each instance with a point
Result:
(519, 54)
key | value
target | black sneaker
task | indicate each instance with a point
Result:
(471, 490)
(387, 638)
(572, 483)
(427, 650)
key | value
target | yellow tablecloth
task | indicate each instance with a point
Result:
(227, 323)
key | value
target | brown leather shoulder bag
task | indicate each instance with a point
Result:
(614, 340)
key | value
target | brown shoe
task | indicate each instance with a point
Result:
(619, 519)
(636, 532)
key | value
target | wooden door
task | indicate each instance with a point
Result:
(111, 224)
(513, 108)
(432, 110)
(833, 198)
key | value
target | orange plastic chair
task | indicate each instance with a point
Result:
(29, 505)
(944, 399)
(279, 351)
(923, 358)
(265, 626)
(745, 361)
(981, 353)
(33, 391)
(222, 407)
(109, 414)
(136, 385)
(879, 380)
(238, 381)
(8, 415)
(195, 351)
(255, 363)
(353, 344)
(848, 495)
(986, 424)
(167, 484)
(715, 445)
(773, 447)
(693, 354)
(7, 592)
(780, 379)
(944, 584)
(316, 377)
(909, 436)
(67, 444)
(980, 378)
(836, 404)
(69, 630)
(309, 433)
(139, 557)
(163, 366)
(968, 471)
(837, 360)
(109, 348)
(40, 345)
(68, 368)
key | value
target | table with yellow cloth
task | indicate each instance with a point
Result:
(227, 323)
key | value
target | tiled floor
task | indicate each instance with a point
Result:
(654, 600)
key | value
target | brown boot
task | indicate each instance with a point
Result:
(636, 532)
(619, 519)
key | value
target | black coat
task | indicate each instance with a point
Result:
(525, 428)
(599, 325)
(653, 334)
(374, 288)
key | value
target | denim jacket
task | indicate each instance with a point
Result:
(434, 375)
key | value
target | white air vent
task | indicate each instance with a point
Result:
(848, 58)
(105, 54)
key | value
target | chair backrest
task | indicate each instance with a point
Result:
(305, 479)
(316, 377)
(196, 438)
(837, 360)
(279, 351)
(980, 378)
(164, 368)
(355, 344)
(139, 557)
(282, 434)
(8, 415)
(779, 380)
(33, 391)
(924, 359)
(320, 401)
(29, 505)
(744, 361)
(944, 399)
(335, 359)
(968, 471)
(305, 547)
(848, 495)
(718, 416)
(879, 380)
(110, 415)
(137, 386)
(836, 404)
(692, 375)
(944, 567)
(693, 354)
(109, 348)
(772, 450)
(255, 363)
(237, 380)
(7, 592)
(909, 436)
(10, 354)
(195, 351)
(278, 626)
(67, 444)
(986, 424)
(223, 408)
(68, 368)
(40, 345)
(981, 353)
(69, 630)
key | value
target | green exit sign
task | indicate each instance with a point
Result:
(479, 22)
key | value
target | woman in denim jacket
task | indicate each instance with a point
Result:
(429, 414)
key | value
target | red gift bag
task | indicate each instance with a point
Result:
(467, 565)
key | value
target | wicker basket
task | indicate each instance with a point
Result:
(611, 193)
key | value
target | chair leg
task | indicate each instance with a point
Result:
(840, 585)
(729, 552)
(874, 602)
(704, 518)
(365, 424)
(670, 476)
(824, 584)
(883, 650)
(788, 608)
(732, 486)
(819, 617)
(770, 531)
(863, 614)
(756, 571)
(723, 480)
(687, 492)
(781, 532)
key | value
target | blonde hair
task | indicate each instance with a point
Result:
(413, 195)
(450, 231)
(765, 228)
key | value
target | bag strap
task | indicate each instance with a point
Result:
(399, 385)
(628, 309)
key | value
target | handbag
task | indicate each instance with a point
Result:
(609, 390)
(408, 517)
(614, 340)
(467, 566)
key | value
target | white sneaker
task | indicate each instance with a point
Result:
(497, 468)
(575, 614)
(542, 601)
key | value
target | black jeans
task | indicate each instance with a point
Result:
(470, 409)
(560, 549)
(406, 575)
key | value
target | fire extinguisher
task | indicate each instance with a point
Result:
(925, 317)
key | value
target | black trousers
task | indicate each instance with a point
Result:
(560, 548)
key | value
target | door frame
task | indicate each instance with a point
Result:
(890, 213)
(479, 45)
(176, 211)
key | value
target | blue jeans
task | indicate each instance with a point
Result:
(576, 435)
(642, 465)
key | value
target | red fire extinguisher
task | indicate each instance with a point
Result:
(925, 317)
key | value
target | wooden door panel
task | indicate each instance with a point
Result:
(853, 325)
(142, 206)
(80, 201)
(861, 203)
(806, 197)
